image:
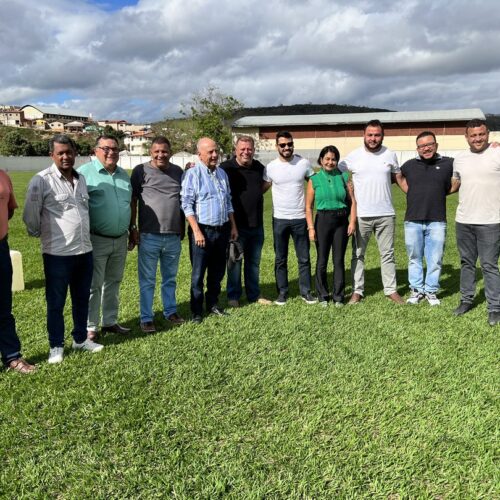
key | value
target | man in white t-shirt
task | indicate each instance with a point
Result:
(373, 168)
(478, 219)
(287, 175)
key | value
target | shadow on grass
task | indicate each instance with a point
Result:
(34, 284)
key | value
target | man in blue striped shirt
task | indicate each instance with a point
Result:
(206, 202)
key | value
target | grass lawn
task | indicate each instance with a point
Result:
(370, 401)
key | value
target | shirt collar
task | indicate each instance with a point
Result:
(436, 157)
(57, 172)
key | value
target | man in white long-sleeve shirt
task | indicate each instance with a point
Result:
(56, 210)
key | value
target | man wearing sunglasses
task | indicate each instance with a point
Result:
(426, 180)
(287, 175)
(110, 193)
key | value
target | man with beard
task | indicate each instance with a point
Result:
(286, 174)
(478, 219)
(373, 168)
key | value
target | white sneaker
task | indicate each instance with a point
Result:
(415, 297)
(56, 355)
(88, 345)
(432, 299)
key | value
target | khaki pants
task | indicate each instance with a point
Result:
(383, 228)
(109, 263)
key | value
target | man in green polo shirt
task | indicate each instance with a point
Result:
(110, 193)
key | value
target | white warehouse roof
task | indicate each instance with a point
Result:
(356, 118)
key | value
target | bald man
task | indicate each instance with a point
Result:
(206, 202)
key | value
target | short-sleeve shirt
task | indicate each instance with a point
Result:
(288, 179)
(158, 194)
(330, 189)
(371, 176)
(479, 194)
(7, 203)
(246, 192)
(428, 184)
(109, 198)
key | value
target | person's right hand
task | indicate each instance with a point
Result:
(199, 239)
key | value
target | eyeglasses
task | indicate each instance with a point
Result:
(428, 145)
(283, 145)
(106, 150)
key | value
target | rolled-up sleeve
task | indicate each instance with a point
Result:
(188, 193)
(33, 206)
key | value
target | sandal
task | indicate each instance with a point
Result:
(21, 365)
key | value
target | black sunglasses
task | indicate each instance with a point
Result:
(283, 145)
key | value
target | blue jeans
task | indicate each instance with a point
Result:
(425, 239)
(252, 241)
(297, 229)
(483, 241)
(165, 248)
(210, 259)
(10, 347)
(61, 272)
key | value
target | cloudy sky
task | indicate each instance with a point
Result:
(139, 59)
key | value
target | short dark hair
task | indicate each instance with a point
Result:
(374, 123)
(476, 122)
(105, 137)
(161, 139)
(62, 139)
(285, 134)
(326, 150)
(426, 133)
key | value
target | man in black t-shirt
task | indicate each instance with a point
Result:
(246, 181)
(426, 182)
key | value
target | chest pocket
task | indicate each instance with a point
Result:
(63, 202)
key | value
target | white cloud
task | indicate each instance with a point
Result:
(142, 61)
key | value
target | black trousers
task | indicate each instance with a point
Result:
(10, 347)
(331, 234)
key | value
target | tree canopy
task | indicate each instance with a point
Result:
(212, 112)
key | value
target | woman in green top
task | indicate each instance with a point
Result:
(335, 202)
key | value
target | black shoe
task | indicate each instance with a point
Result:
(217, 311)
(494, 318)
(309, 298)
(281, 300)
(116, 328)
(197, 318)
(463, 308)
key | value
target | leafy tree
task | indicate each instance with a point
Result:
(14, 143)
(211, 112)
(117, 134)
(85, 144)
(40, 147)
(180, 133)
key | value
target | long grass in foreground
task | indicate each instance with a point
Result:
(375, 400)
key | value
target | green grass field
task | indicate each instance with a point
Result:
(371, 401)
